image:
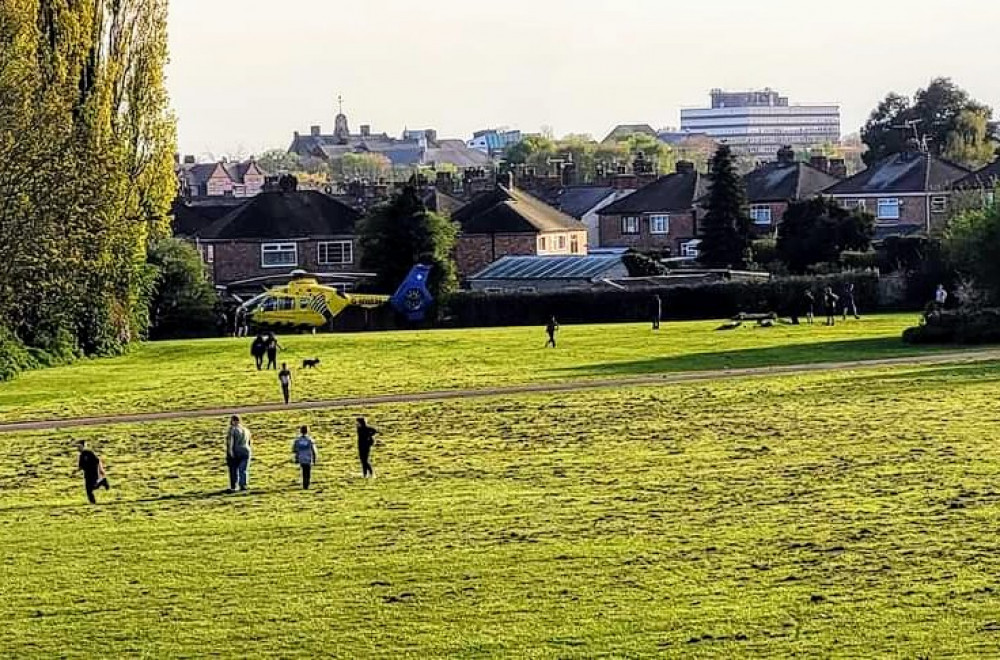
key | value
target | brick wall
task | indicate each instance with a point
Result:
(912, 211)
(473, 252)
(777, 213)
(681, 228)
(240, 260)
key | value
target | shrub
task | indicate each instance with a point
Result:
(853, 260)
(641, 265)
(184, 301)
(959, 326)
(15, 357)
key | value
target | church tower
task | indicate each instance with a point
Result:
(341, 131)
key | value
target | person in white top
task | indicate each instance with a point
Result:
(304, 453)
(940, 296)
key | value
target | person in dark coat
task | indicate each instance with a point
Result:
(257, 350)
(550, 329)
(657, 311)
(93, 471)
(366, 440)
(810, 305)
(272, 346)
(285, 379)
(849, 304)
(830, 304)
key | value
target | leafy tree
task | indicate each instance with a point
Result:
(972, 243)
(280, 161)
(944, 114)
(725, 229)
(361, 166)
(816, 231)
(184, 302)
(402, 233)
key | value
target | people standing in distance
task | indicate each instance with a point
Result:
(850, 306)
(285, 378)
(366, 439)
(830, 303)
(257, 350)
(304, 453)
(551, 328)
(238, 454)
(272, 346)
(93, 471)
(940, 298)
(657, 311)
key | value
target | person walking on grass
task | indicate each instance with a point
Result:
(830, 303)
(366, 440)
(940, 298)
(550, 329)
(257, 350)
(850, 306)
(304, 453)
(93, 471)
(285, 378)
(657, 310)
(810, 303)
(272, 346)
(238, 454)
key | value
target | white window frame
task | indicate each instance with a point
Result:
(543, 244)
(279, 248)
(659, 223)
(560, 242)
(761, 214)
(347, 249)
(628, 222)
(939, 204)
(889, 201)
(209, 254)
(690, 248)
(574, 244)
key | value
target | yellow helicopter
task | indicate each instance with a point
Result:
(306, 303)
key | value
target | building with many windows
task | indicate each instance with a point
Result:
(758, 123)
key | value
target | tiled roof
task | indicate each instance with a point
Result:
(552, 268)
(673, 192)
(509, 210)
(577, 201)
(780, 181)
(907, 172)
(281, 215)
(987, 177)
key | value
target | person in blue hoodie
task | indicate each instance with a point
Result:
(304, 453)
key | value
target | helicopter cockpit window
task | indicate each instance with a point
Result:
(286, 304)
(270, 305)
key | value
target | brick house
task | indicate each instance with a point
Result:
(907, 192)
(660, 216)
(277, 232)
(984, 182)
(773, 185)
(508, 221)
(198, 180)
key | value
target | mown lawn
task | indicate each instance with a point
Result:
(825, 515)
(213, 373)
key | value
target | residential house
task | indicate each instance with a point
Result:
(659, 217)
(222, 179)
(773, 185)
(278, 232)
(190, 216)
(494, 142)
(509, 221)
(529, 274)
(984, 181)
(907, 192)
(585, 203)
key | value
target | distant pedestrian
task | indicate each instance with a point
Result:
(810, 302)
(657, 311)
(551, 328)
(849, 304)
(238, 454)
(240, 322)
(366, 440)
(304, 452)
(940, 297)
(830, 304)
(272, 346)
(93, 471)
(285, 378)
(257, 349)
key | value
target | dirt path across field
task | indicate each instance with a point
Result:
(957, 357)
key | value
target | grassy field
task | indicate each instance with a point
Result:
(832, 515)
(213, 373)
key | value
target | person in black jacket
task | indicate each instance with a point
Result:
(550, 329)
(366, 439)
(272, 346)
(257, 350)
(657, 311)
(93, 471)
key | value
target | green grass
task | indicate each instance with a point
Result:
(824, 515)
(214, 373)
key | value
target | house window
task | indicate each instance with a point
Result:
(939, 204)
(630, 225)
(858, 204)
(278, 255)
(761, 215)
(543, 243)
(574, 244)
(209, 254)
(335, 253)
(690, 248)
(888, 209)
(659, 224)
(560, 242)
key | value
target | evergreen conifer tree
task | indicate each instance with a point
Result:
(725, 235)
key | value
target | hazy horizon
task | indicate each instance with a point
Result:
(245, 74)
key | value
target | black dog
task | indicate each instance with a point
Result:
(310, 364)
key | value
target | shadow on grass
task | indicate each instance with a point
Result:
(807, 353)
(202, 496)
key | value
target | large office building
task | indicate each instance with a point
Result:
(759, 123)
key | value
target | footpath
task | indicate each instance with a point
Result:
(949, 358)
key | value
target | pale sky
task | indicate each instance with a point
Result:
(245, 74)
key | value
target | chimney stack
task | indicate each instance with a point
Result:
(189, 160)
(684, 167)
(838, 168)
(820, 162)
(315, 131)
(786, 155)
(366, 130)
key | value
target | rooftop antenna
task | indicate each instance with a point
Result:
(911, 125)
